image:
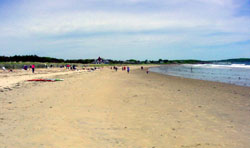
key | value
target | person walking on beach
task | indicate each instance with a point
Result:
(128, 69)
(33, 68)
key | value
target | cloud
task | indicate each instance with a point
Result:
(48, 17)
(125, 23)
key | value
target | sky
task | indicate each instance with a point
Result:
(126, 29)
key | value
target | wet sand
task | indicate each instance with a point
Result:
(104, 109)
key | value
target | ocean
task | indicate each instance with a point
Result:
(237, 74)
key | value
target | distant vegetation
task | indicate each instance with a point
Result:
(82, 61)
(35, 58)
(29, 58)
(240, 60)
(18, 61)
(187, 62)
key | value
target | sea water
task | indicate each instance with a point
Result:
(238, 74)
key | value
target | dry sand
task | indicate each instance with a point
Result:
(8, 80)
(105, 109)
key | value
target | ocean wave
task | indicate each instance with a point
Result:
(220, 66)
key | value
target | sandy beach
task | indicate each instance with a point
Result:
(104, 109)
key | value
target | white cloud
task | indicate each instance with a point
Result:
(128, 22)
(121, 22)
(42, 18)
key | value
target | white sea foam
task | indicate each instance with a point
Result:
(220, 66)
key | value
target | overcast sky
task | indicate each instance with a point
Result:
(126, 29)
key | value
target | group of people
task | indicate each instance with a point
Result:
(25, 67)
(90, 68)
(127, 68)
(124, 68)
(71, 67)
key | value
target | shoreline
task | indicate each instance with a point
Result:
(202, 79)
(11, 80)
(217, 82)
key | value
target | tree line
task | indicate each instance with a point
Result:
(29, 58)
(35, 58)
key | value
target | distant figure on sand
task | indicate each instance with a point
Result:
(147, 71)
(128, 69)
(33, 68)
(25, 67)
(141, 67)
(3, 68)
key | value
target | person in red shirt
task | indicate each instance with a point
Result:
(33, 68)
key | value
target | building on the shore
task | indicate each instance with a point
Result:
(100, 60)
